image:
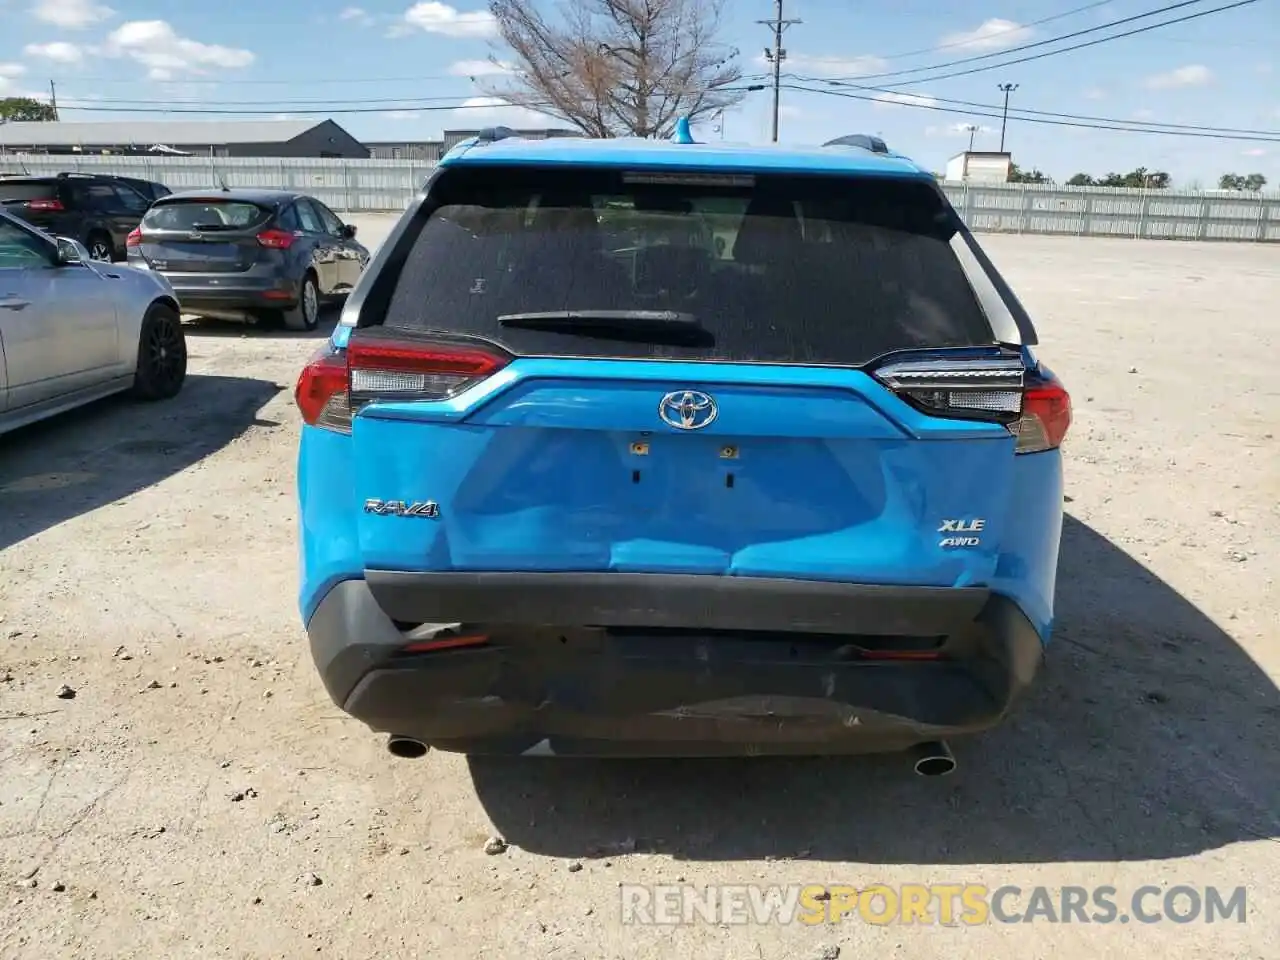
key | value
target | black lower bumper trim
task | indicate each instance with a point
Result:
(684, 601)
(699, 686)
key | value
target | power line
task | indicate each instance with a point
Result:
(404, 104)
(1042, 113)
(994, 112)
(748, 83)
(1077, 46)
(1014, 29)
(1052, 40)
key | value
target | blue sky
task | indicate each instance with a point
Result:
(1222, 70)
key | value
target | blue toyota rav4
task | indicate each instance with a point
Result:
(677, 449)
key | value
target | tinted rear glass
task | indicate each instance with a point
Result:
(776, 269)
(21, 191)
(205, 214)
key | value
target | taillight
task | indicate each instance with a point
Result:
(1046, 414)
(276, 239)
(1033, 405)
(49, 206)
(336, 384)
(134, 239)
(322, 393)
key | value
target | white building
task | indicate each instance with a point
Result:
(980, 165)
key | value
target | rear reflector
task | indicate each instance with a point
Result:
(336, 384)
(445, 643)
(275, 239)
(50, 206)
(134, 239)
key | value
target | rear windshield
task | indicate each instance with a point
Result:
(775, 269)
(202, 214)
(21, 191)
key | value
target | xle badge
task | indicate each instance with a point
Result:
(425, 509)
(959, 527)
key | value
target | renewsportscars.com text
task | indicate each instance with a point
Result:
(958, 904)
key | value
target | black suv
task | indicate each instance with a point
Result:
(99, 211)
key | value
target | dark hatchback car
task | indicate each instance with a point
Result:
(148, 188)
(266, 256)
(99, 211)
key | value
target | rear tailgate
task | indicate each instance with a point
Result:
(35, 201)
(201, 235)
(791, 431)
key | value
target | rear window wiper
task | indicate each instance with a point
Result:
(645, 326)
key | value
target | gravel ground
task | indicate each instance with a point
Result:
(199, 795)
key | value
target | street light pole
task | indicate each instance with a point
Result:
(972, 130)
(1006, 88)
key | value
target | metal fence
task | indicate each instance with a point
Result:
(1116, 212)
(382, 185)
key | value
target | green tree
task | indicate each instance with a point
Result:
(1018, 175)
(1141, 178)
(14, 109)
(1082, 180)
(1252, 182)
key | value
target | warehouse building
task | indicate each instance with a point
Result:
(430, 151)
(205, 138)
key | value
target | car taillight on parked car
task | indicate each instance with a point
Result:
(1032, 404)
(48, 206)
(276, 239)
(134, 239)
(337, 383)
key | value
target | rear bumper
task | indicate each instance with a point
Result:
(689, 665)
(227, 292)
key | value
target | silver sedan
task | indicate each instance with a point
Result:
(73, 330)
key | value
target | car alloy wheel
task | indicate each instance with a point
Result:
(165, 352)
(99, 250)
(310, 304)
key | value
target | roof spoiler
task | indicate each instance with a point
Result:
(863, 141)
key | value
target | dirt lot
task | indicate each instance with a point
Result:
(200, 796)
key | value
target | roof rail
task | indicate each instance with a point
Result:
(65, 174)
(863, 140)
(494, 134)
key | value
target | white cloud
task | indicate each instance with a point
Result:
(494, 111)
(1095, 93)
(1193, 75)
(857, 66)
(1141, 115)
(1255, 152)
(956, 130)
(400, 115)
(157, 46)
(480, 68)
(72, 14)
(357, 15)
(993, 34)
(58, 51)
(435, 17)
(9, 70)
(887, 100)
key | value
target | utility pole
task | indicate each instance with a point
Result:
(775, 56)
(1006, 88)
(53, 97)
(972, 130)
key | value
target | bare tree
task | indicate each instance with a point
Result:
(619, 67)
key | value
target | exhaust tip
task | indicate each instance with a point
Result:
(934, 759)
(406, 748)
